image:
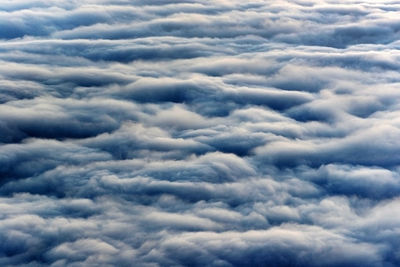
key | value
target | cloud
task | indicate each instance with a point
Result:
(199, 133)
(276, 247)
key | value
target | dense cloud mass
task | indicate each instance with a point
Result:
(199, 133)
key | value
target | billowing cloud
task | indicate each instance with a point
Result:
(199, 133)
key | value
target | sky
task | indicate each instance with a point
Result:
(199, 133)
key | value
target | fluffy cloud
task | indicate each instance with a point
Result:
(199, 133)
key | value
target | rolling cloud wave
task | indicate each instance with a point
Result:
(199, 133)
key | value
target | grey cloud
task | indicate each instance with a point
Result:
(374, 146)
(199, 133)
(264, 247)
(60, 119)
(109, 50)
(36, 156)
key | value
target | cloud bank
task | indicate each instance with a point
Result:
(199, 133)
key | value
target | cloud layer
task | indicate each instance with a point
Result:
(199, 133)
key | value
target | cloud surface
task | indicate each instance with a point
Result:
(199, 133)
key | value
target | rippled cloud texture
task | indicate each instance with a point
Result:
(199, 133)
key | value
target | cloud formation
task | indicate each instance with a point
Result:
(199, 133)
